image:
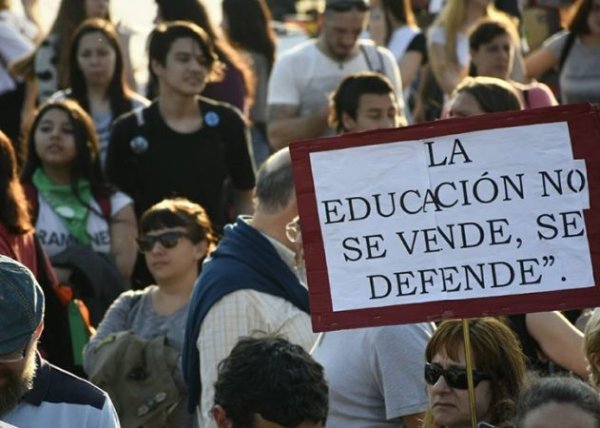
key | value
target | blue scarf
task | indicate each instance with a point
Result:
(244, 259)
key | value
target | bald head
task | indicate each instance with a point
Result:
(274, 183)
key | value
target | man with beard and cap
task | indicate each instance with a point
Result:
(33, 392)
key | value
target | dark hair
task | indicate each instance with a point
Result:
(486, 30)
(274, 378)
(180, 212)
(194, 11)
(250, 27)
(275, 182)
(346, 97)
(13, 204)
(87, 161)
(346, 5)
(578, 24)
(117, 88)
(496, 350)
(558, 389)
(401, 10)
(493, 95)
(165, 34)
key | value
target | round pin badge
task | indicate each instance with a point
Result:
(211, 119)
(139, 144)
(65, 211)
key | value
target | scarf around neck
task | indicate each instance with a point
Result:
(71, 210)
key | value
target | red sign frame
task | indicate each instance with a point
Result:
(584, 129)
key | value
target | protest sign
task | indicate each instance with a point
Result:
(468, 217)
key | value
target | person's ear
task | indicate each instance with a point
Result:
(220, 416)
(156, 66)
(200, 249)
(348, 123)
(37, 333)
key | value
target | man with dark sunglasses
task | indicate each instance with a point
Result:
(33, 392)
(303, 77)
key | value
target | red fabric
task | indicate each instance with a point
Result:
(19, 247)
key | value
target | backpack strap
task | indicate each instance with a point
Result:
(139, 115)
(564, 53)
(373, 57)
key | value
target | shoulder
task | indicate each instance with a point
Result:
(221, 108)
(129, 120)
(138, 100)
(556, 41)
(118, 200)
(408, 334)
(301, 51)
(63, 387)
(130, 297)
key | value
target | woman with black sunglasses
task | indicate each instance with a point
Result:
(175, 237)
(499, 367)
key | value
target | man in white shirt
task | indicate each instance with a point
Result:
(303, 77)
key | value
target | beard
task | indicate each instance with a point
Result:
(17, 383)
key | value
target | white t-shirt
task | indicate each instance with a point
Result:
(305, 77)
(401, 38)
(55, 237)
(437, 35)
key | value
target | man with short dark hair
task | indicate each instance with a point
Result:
(269, 383)
(247, 284)
(33, 392)
(362, 102)
(380, 383)
(303, 77)
(182, 144)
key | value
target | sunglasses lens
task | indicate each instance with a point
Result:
(432, 373)
(145, 243)
(167, 240)
(454, 377)
(457, 378)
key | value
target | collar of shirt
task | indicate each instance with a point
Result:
(41, 382)
(287, 255)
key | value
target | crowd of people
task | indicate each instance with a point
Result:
(152, 244)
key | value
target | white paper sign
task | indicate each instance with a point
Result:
(481, 214)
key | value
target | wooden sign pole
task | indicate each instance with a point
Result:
(469, 364)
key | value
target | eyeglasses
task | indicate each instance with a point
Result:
(345, 6)
(167, 240)
(292, 230)
(14, 357)
(455, 378)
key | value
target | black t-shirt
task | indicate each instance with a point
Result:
(165, 163)
(419, 44)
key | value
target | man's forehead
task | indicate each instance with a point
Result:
(377, 101)
(346, 19)
(185, 44)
